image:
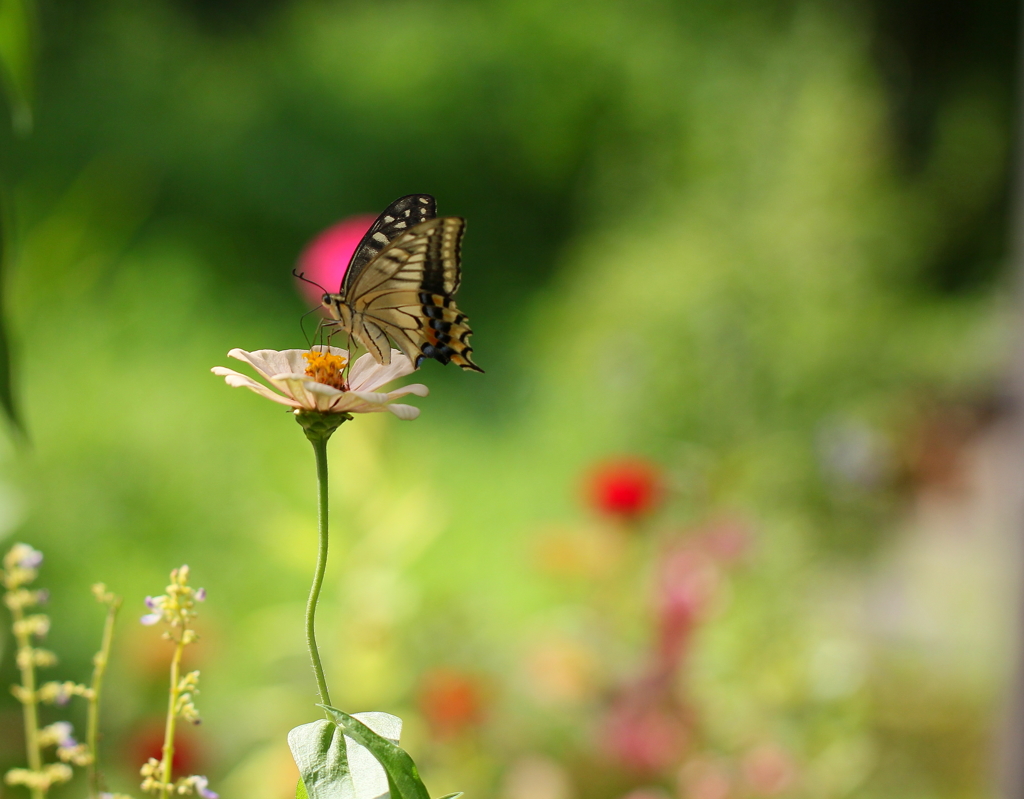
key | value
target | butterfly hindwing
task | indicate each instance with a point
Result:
(402, 215)
(406, 293)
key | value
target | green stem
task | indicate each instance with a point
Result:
(93, 717)
(26, 664)
(172, 718)
(319, 443)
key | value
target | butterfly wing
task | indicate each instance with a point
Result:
(406, 294)
(403, 214)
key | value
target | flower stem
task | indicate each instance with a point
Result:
(172, 719)
(319, 443)
(93, 718)
(29, 699)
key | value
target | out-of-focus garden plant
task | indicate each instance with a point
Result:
(176, 609)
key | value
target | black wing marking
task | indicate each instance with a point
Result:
(402, 214)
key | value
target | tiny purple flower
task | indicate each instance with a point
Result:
(62, 698)
(151, 618)
(32, 559)
(201, 595)
(63, 730)
(203, 791)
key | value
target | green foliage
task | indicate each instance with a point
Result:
(17, 56)
(8, 403)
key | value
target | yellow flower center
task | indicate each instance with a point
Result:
(327, 368)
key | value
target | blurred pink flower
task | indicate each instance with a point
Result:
(705, 778)
(688, 581)
(646, 730)
(647, 793)
(625, 488)
(727, 539)
(326, 258)
(768, 770)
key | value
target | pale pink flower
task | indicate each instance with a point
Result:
(316, 381)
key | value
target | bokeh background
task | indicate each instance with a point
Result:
(730, 514)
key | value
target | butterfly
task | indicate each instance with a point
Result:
(400, 286)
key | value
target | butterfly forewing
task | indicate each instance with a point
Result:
(405, 293)
(399, 217)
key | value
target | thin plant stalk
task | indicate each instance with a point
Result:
(93, 716)
(319, 443)
(172, 720)
(26, 664)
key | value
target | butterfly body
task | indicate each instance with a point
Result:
(400, 286)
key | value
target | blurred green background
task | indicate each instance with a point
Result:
(761, 245)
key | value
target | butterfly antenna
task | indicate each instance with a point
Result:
(302, 276)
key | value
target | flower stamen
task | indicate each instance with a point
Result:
(327, 368)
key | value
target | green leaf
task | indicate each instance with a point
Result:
(17, 52)
(333, 766)
(300, 791)
(319, 752)
(403, 777)
(455, 795)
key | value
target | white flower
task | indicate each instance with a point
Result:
(316, 380)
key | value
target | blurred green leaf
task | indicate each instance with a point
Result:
(7, 402)
(16, 56)
(403, 776)
(300, 791)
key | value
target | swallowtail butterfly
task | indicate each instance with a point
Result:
(401, 283)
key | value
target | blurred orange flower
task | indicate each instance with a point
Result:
(451, 701)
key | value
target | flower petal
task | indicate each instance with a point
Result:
(320, 388)
(418, 389)
(266, 362)
(367, 374)
(371, 397)
(295, 387)
(236, 380)
(404, 412)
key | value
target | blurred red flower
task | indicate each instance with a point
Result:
(148, 741)
(326, 258)
(451, 701)
(625, 488)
